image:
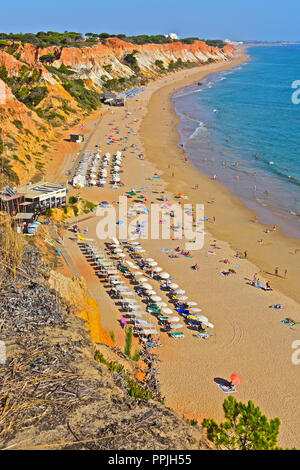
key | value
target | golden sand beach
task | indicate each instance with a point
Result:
(248, 336)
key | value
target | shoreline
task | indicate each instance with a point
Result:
(234, 221)
(268, 213)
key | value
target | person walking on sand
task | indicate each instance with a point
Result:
(285, 274)
(276, 271)
(246, 254)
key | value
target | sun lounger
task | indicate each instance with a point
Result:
(177, 334)
(226, 388)
(145, 332)
(203, 335)
(154, 345)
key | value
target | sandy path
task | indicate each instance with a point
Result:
(248, 336)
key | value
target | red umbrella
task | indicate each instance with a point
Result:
(236, 379)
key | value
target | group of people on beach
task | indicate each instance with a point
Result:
(182, 252)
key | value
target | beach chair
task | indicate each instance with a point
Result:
(177, 334)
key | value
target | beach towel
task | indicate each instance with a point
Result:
(288, 323)
(177, 334)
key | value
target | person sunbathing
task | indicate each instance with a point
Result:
(289, 321)
(195, 267)
(225, 261)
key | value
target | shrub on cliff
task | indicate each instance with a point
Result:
(47, 58)
(7, 171)
(130, 61)
(160, 65)
(87, 99)
(128, 341)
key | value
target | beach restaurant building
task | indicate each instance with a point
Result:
(43, 195)
(76, 138)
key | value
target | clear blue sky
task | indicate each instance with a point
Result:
(218, 19)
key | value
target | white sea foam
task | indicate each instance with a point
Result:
(200, 128)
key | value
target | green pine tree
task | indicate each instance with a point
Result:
(244, 428)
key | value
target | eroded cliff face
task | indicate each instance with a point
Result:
(38, 106)
(90, 62)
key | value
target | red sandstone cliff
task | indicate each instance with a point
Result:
(27, 130)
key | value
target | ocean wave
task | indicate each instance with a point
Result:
(186, 93)
(201, 128)
(274, 168)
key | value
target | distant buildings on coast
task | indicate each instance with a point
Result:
(233, 43)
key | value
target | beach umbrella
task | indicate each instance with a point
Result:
(191, 304)
(112, 271)
(161, 304)
(167, 310)
(179, 291)
(176, 326)
(135, 315)
(156, 298)
(165, 276)
(157, 269)
(173, 285)
(182, 298)
(118, 250)
(149, 259)
(146, 286)
(130, 300)
(135, 243)
(236, 379)
(130, 264)
(123, 289)
(202, 318)
(152, 264)
(195, 310)
(143, 279)
(136, 307)
(121, 255)
(151, 292)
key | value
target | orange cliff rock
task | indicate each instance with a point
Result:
(29, 132)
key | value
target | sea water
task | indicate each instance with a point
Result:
(242, 126)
